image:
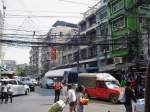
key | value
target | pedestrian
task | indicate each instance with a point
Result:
(57, 87)
(4, 91)
(139, 86)
(71, 98)
(129, 97)
(10, 93)
(80, 95)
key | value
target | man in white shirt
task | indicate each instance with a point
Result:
(4, 91)
(71, 99)
(10, 92)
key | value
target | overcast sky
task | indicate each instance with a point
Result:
(67, 10)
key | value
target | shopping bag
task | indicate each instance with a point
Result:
(122, 97)
(84, 101)
(57, 107)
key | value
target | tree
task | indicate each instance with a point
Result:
(20, 72)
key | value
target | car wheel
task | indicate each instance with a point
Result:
(27, 92)
(114, 98)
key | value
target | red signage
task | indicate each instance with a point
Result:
(53, 53)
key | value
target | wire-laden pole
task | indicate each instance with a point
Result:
(147, 85)
(78, 58)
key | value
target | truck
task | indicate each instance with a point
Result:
(100, 85)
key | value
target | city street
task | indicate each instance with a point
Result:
(42, 99)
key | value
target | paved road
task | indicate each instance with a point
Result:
(42, 99)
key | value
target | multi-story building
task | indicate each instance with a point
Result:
(87, 29)
(9, 65)
(126, 22)
(39, 62)
(117, 25)
(34, 60)
(45, 59)
(103, 33)
(58, 56)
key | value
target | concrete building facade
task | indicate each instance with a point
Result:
(126, 21)
(54, 57)
(87, 29)
(34, 60)
(9, 65)
(108, 22)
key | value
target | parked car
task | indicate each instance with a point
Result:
(34, 81)
(29, 82)
(18, 88)
(47, 83)
(100, 85)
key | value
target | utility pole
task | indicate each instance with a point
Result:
(78, 58)
(148, 31)
(78, 53)
(147, 85)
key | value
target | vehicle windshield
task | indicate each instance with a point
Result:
(50, 81)
(112, 84)
(25, 79)
(33, 80)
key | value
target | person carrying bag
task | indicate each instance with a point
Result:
(81, 100)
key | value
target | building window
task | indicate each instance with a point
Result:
(120, 43)
(61, 34)
(92, 21)
(105, 1)
(83, 26)
(83, 54)
(116, 6)
(92, 52)
(103, 13)
(104, 29)
(118, 23)
(70, 58)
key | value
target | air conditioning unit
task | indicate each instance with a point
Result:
(118, 60)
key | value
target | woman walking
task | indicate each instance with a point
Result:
(80, 95)
(71, 98)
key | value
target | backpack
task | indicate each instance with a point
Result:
(84, 101)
